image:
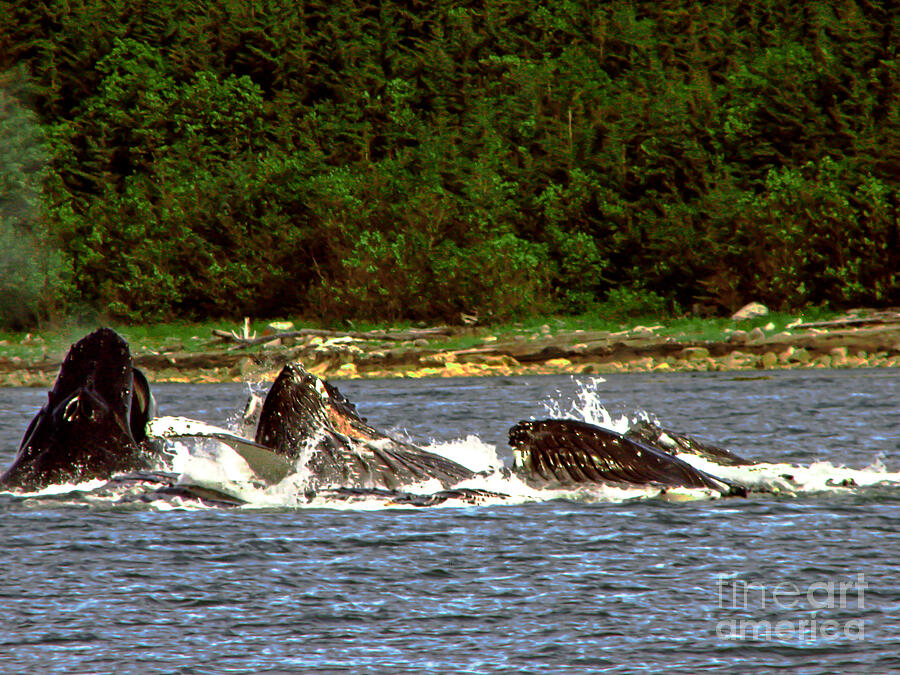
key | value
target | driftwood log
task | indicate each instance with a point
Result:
(874, 319)
(383, 335)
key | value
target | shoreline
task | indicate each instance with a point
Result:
(638, 349)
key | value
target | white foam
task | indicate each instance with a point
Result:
(471, 452)
(791, 479)
(63, 488)
(512, 490)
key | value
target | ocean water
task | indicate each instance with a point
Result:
(799, 581)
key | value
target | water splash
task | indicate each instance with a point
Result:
(588, 406)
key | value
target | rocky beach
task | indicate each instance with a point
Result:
(858, 340)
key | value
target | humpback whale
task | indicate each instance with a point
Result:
(93, 423)
(303, 413)
(565, 453)
(99, 422)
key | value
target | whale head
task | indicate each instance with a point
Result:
(93, 423)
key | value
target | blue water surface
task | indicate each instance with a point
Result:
(646, 586)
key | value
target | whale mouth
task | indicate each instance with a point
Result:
(143, 405)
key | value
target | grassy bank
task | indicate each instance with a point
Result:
(54, 341)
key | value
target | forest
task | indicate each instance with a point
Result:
(416, 161)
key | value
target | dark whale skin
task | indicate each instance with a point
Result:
(92, 425)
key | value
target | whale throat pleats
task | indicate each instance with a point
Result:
(569, 452)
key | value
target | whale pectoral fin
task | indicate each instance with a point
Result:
(263, 461)
(572, 452)
(269, 466)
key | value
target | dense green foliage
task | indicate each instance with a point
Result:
(415, 160)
